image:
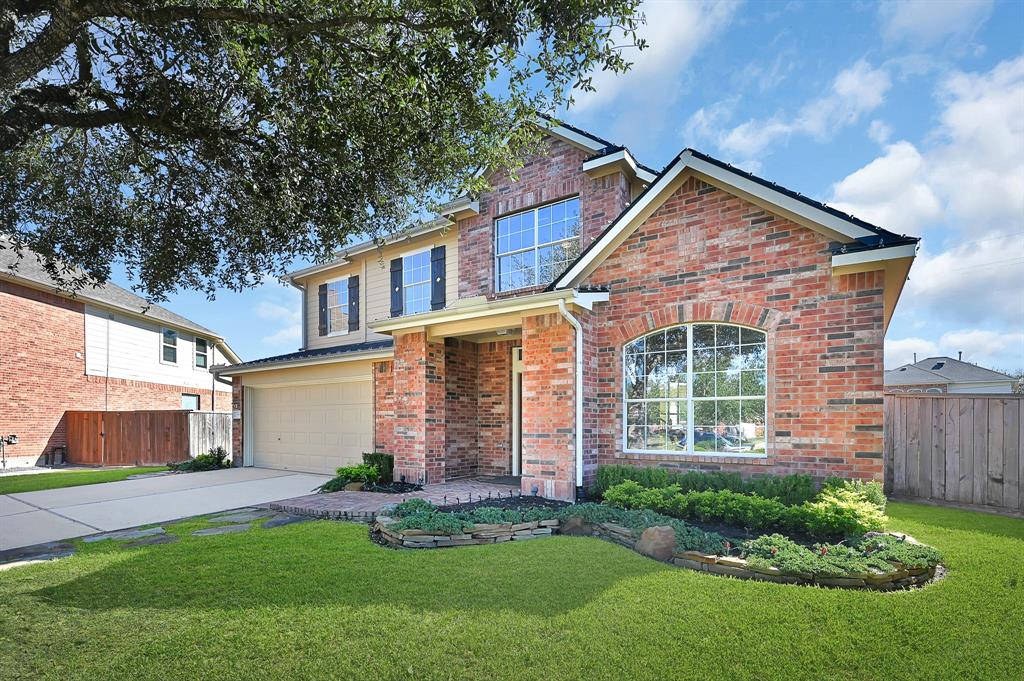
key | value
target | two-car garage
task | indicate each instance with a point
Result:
(312, 418)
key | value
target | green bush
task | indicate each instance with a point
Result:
(215, 459)
(835, 513)
(412, 506)
(889, 548)
(869, 490)
(789, 489)
(346, 474)
(384, 463)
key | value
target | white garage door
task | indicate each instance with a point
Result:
(312, 428)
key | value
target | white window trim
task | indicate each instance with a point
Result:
(428, 280)
(177, 348)
(690, 451)
(196, 353)
(535, 247)
(345, 331)
(199, 401)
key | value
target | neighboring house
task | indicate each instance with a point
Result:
(946, 375)
(591, 311)
(103, 348)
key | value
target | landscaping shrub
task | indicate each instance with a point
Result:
(870, 490)
(384, 463)
(835, 513)
(346, 474)
(890, 548)
(411, 506)
(789, 489)
(213, 460)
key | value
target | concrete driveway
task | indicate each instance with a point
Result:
(35, 517)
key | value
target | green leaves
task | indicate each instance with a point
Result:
(228, 139)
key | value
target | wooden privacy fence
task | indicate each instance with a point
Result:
(965, 449)
(134, 438)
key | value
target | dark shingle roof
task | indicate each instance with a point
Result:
(318, 353)
(30, 268)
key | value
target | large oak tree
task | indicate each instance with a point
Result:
(205, 143)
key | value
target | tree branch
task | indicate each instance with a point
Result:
(18, 67)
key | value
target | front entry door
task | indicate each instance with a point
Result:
(517, 411)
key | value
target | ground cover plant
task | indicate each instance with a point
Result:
(14, 484)
(317, 600)
(213, 460)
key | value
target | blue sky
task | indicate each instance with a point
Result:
(909, 115)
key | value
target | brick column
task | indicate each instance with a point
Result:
(419, 395)
(236, 424)
(548, 410)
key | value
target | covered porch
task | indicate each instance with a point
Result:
(488, 388)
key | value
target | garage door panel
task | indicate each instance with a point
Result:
(315, 428)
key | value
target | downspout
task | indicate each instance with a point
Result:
(564, 311)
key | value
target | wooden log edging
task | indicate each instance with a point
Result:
(901, 577)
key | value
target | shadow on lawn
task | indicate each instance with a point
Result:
(332, 564)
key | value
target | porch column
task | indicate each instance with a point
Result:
(548, 411)
(419, 393)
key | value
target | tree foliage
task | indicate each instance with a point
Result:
(205, 143)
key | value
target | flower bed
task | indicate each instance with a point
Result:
(871, 560)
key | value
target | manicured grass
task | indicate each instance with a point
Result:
(12, 484)
(318, 600)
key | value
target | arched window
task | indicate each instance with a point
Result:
(696, 389)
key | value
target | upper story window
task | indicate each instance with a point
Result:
(202, 353)
(169, 346)
(416, 282)
(337, 306)
(534, 247)
(696, 389)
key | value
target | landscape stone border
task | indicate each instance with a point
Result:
(650, 543)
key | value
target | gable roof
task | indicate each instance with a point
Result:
(29, 269)
(942, 370)
(853, 234)
(315, 356)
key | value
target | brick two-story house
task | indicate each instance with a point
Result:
(102, 349)
(592, 311)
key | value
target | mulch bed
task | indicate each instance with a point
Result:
(391, 487)
(514, 502)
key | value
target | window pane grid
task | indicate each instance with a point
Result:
(337, 306)
(703, 384)
(416, 282)
(534, 247)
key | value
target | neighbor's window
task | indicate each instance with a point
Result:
(337, 306)
(169, 346)
(202, 353)
(534, 247)
(416, 282)
(696, 389)
(190, 401)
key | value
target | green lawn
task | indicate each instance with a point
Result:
(318, 600)
(12, 484)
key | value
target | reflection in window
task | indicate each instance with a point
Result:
(534, 247)
(696, 388)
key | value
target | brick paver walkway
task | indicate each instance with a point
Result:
(364, 506)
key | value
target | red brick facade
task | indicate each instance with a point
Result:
(706, 255)
(419, 440)
(546, 178)
(42, 374)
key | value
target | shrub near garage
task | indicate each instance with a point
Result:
(359, 473)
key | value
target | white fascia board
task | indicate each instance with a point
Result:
(520, 304)
(787, 203)
(874, 255)
(622, 156)
(569, 135)
(231, 370)
(684, 162)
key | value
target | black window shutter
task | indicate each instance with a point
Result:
(353, 303)
(396, 287)
(437, 278)
(323, 309)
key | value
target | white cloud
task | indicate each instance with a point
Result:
(891, 191)
(971, 172)
(675, 32)
(855, 91)
(987, 348)
(922, 23)
(287, 323)
(901, 351)
(880, 131)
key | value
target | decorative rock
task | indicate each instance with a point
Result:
(524, 526)
(574, 526)
(354, 486)
(39, 552)
(658, 543)
(151, 541)
(284, 519)
(223, 529)
(124, 534)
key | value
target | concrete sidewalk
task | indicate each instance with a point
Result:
(36, 517)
